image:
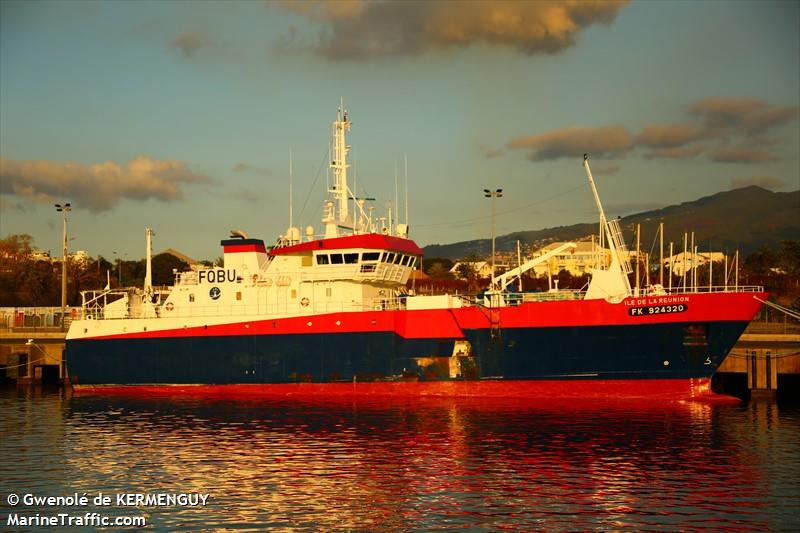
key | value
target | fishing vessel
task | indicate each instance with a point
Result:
(330, 313)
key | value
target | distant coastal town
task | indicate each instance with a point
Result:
(30, 277)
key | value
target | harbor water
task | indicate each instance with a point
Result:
(398, 464)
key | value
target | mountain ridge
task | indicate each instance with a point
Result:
(745, 218)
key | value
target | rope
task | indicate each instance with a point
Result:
(43, 358)
(26, 364)
(784, 310)
(313, 185)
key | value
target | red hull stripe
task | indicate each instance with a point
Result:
(653, 389)
(422, 324)
(451, 323)
(372, 241)
(705, 307)
(238, 248)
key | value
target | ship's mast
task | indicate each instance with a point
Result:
(338, 214)
(148, 277)
(406, 184)
(339, 189)
(291, 180)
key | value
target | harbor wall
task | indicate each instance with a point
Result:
(32, 345)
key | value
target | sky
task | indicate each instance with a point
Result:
(182, 116)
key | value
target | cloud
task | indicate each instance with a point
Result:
(682, 152)
(746, 115)
(490, 152)
(719, 124)
(670, 135)
(739, 154)
(323, 10)
(767, 182)
(96, 187)
(251, 169)
(609, 141)
(245, 195)
(188, 43)
(358, 29)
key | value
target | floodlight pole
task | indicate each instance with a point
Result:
(497, 193)
(64, 208)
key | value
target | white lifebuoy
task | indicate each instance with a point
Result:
(304, 302)
(170, 306)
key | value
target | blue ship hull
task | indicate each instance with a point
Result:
(646, 351)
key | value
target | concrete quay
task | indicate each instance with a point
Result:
(32, 356)
(767, 360)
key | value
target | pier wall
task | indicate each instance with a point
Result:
(32, 345)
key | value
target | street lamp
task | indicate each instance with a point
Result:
(119, 256)
(497, 193)
(64, 208)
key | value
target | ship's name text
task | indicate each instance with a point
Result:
(657, 310)
(216, 276)
(657, 300)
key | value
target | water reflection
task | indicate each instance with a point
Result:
(409, 464)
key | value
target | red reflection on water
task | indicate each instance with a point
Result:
(389, 463)
(645, 389)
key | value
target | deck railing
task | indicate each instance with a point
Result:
(95, 311)
(34, 318)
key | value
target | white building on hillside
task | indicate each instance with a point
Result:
(40, 255)
(80, 257)
(680, 263)
(577, 261)
(482, 268)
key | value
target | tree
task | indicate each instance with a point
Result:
(38, 285)
(442, 264)
(439, 271)
(133, 273)
(15, 246)
(762, 261)
(15, 263)
(164, 267)
(92, 275)
(467, 270)
(789, 257)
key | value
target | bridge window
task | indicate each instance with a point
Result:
(351, 259)
(398, 258)
(322, 259)
(336, 259)
(389, 258)
(371, 256)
